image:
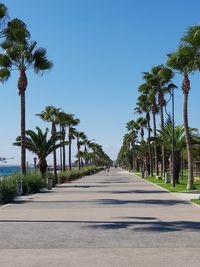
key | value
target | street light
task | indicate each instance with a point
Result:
(35, 163)
(172, 87)
(173, 179)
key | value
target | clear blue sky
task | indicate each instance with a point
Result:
(99, 49)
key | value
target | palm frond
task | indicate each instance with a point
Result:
(4, 75)
(41, 63)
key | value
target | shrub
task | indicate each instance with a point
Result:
(8, 189)
(75, 174)
(64, 176)
(33, 183)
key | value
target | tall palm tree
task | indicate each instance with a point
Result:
(80, 136)
(50, 114)
(142, 123)
(159, 77)
(149, 90)
(22, 55)
(64, 119)
(38, 143)
(133, 128)
(84, 143)
(14, 29)
(154, 110)
(143, 106)
(72, 122)
(185, 61)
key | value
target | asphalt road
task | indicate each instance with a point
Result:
(108, 219)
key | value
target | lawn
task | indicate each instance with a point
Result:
(181, 187)
(197, 201)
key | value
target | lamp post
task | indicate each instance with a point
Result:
(171, 91)
(173, 179)
(35, 163)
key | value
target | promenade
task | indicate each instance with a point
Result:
(110, 219)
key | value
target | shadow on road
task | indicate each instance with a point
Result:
(79, 186)
(140, 224)
(151, 226)
(162, 202)
(137, 192)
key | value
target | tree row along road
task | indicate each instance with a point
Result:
(108, 219)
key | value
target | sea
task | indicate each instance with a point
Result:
(8, 170)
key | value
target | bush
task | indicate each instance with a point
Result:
(33, 183)
(75, 174)
(8, 189)
(64, 177)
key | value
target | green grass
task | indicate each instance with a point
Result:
(181, 187)
(197, 201)
(137, 173)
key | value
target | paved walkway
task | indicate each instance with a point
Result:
(108, 219)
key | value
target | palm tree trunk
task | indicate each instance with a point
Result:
(78, 150)
(155, 146)
(22, 84)
(86, 158)
(63, 160)
(142, 160)
(55, 164)
(163, 147)
(70, 154)
(61, 168)
(53, 131)
(42, 167)
(188, 142)
(149, 146)
(161, 100)
(63, 157)
(82, 165)
(23, 135)
(177, 165)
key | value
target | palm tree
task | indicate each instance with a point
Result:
(142, 123)
(100, 158)
(50, 114)
(22, 55)
(63, 119)
(38, 143)
(14, 29)
(158, 79)
(71, 133)
(80, 136)
(149, 90)
(143, 106)
(133, 128)
(184, 60)
(165, 138)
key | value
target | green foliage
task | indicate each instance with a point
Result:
(3, 10)
(8, 189)
(39, 143)
(196, 201)
(181, 187)
(33, 183)
(75, 174)
(183, 60)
